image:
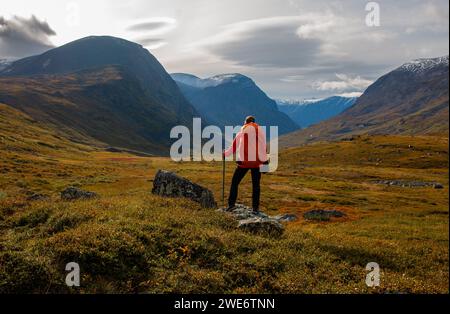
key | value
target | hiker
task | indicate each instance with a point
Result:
(250, 145)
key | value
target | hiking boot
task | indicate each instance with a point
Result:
(230, 208)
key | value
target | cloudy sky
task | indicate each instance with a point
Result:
(292, 48)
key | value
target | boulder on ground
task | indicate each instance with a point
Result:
(322, 214)
(259, 225)
(73, 193)
(258, 222)
(171, 185)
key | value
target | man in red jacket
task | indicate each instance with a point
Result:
(250, 146)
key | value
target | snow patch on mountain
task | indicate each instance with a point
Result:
(4, 63)
(298, 102)
(424, 64)
(311, 111)
(213, 81)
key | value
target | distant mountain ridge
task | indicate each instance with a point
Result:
(213, 81)
(312, 111)
(410, 100)
(228, 98)
(4, 63)
(136, 101)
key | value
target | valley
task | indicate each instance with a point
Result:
(130, 241)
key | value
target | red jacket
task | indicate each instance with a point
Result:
(250, 146)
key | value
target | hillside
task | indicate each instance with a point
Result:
(227, 99)
(307, 113)
(22, 135)
(105, 104)
(131, 241)
(105, 88)
(411, 100)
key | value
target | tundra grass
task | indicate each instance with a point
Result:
(130, 241)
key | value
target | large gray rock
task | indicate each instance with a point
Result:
(171, 185)
(72, 193)
(260, 225)
(258, 222)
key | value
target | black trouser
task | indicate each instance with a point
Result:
(238, 175)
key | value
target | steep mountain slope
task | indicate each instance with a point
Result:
(106, 88)
(227, 99)
(106, 104)
(306, 113)
(411, 100)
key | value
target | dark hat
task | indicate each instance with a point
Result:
(250, 119)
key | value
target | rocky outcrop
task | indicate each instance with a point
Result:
(410, 184)
(259, 222)
(73, 193)
(171, 185)
(323, 214)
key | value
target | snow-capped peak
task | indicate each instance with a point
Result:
(424, 64)
(213, 81)
(225, 78)
(299, 102)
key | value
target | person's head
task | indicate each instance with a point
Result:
(250, 119)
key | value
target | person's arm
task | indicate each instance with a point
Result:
(232, 149)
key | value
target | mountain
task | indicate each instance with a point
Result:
(410, 100)
(308, 112)
(4, 63)
(227, 99)
(106, 88)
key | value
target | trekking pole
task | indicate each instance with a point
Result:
(223, 180)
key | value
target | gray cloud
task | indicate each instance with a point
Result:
(272, 47)
(300, 50)
(153, 29)
(152, 25)
(21, 37)
(151, 43)
(272, 42)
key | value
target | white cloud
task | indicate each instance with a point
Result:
(351, 94)
(316, 25)
(344, 83)
(293, 78)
